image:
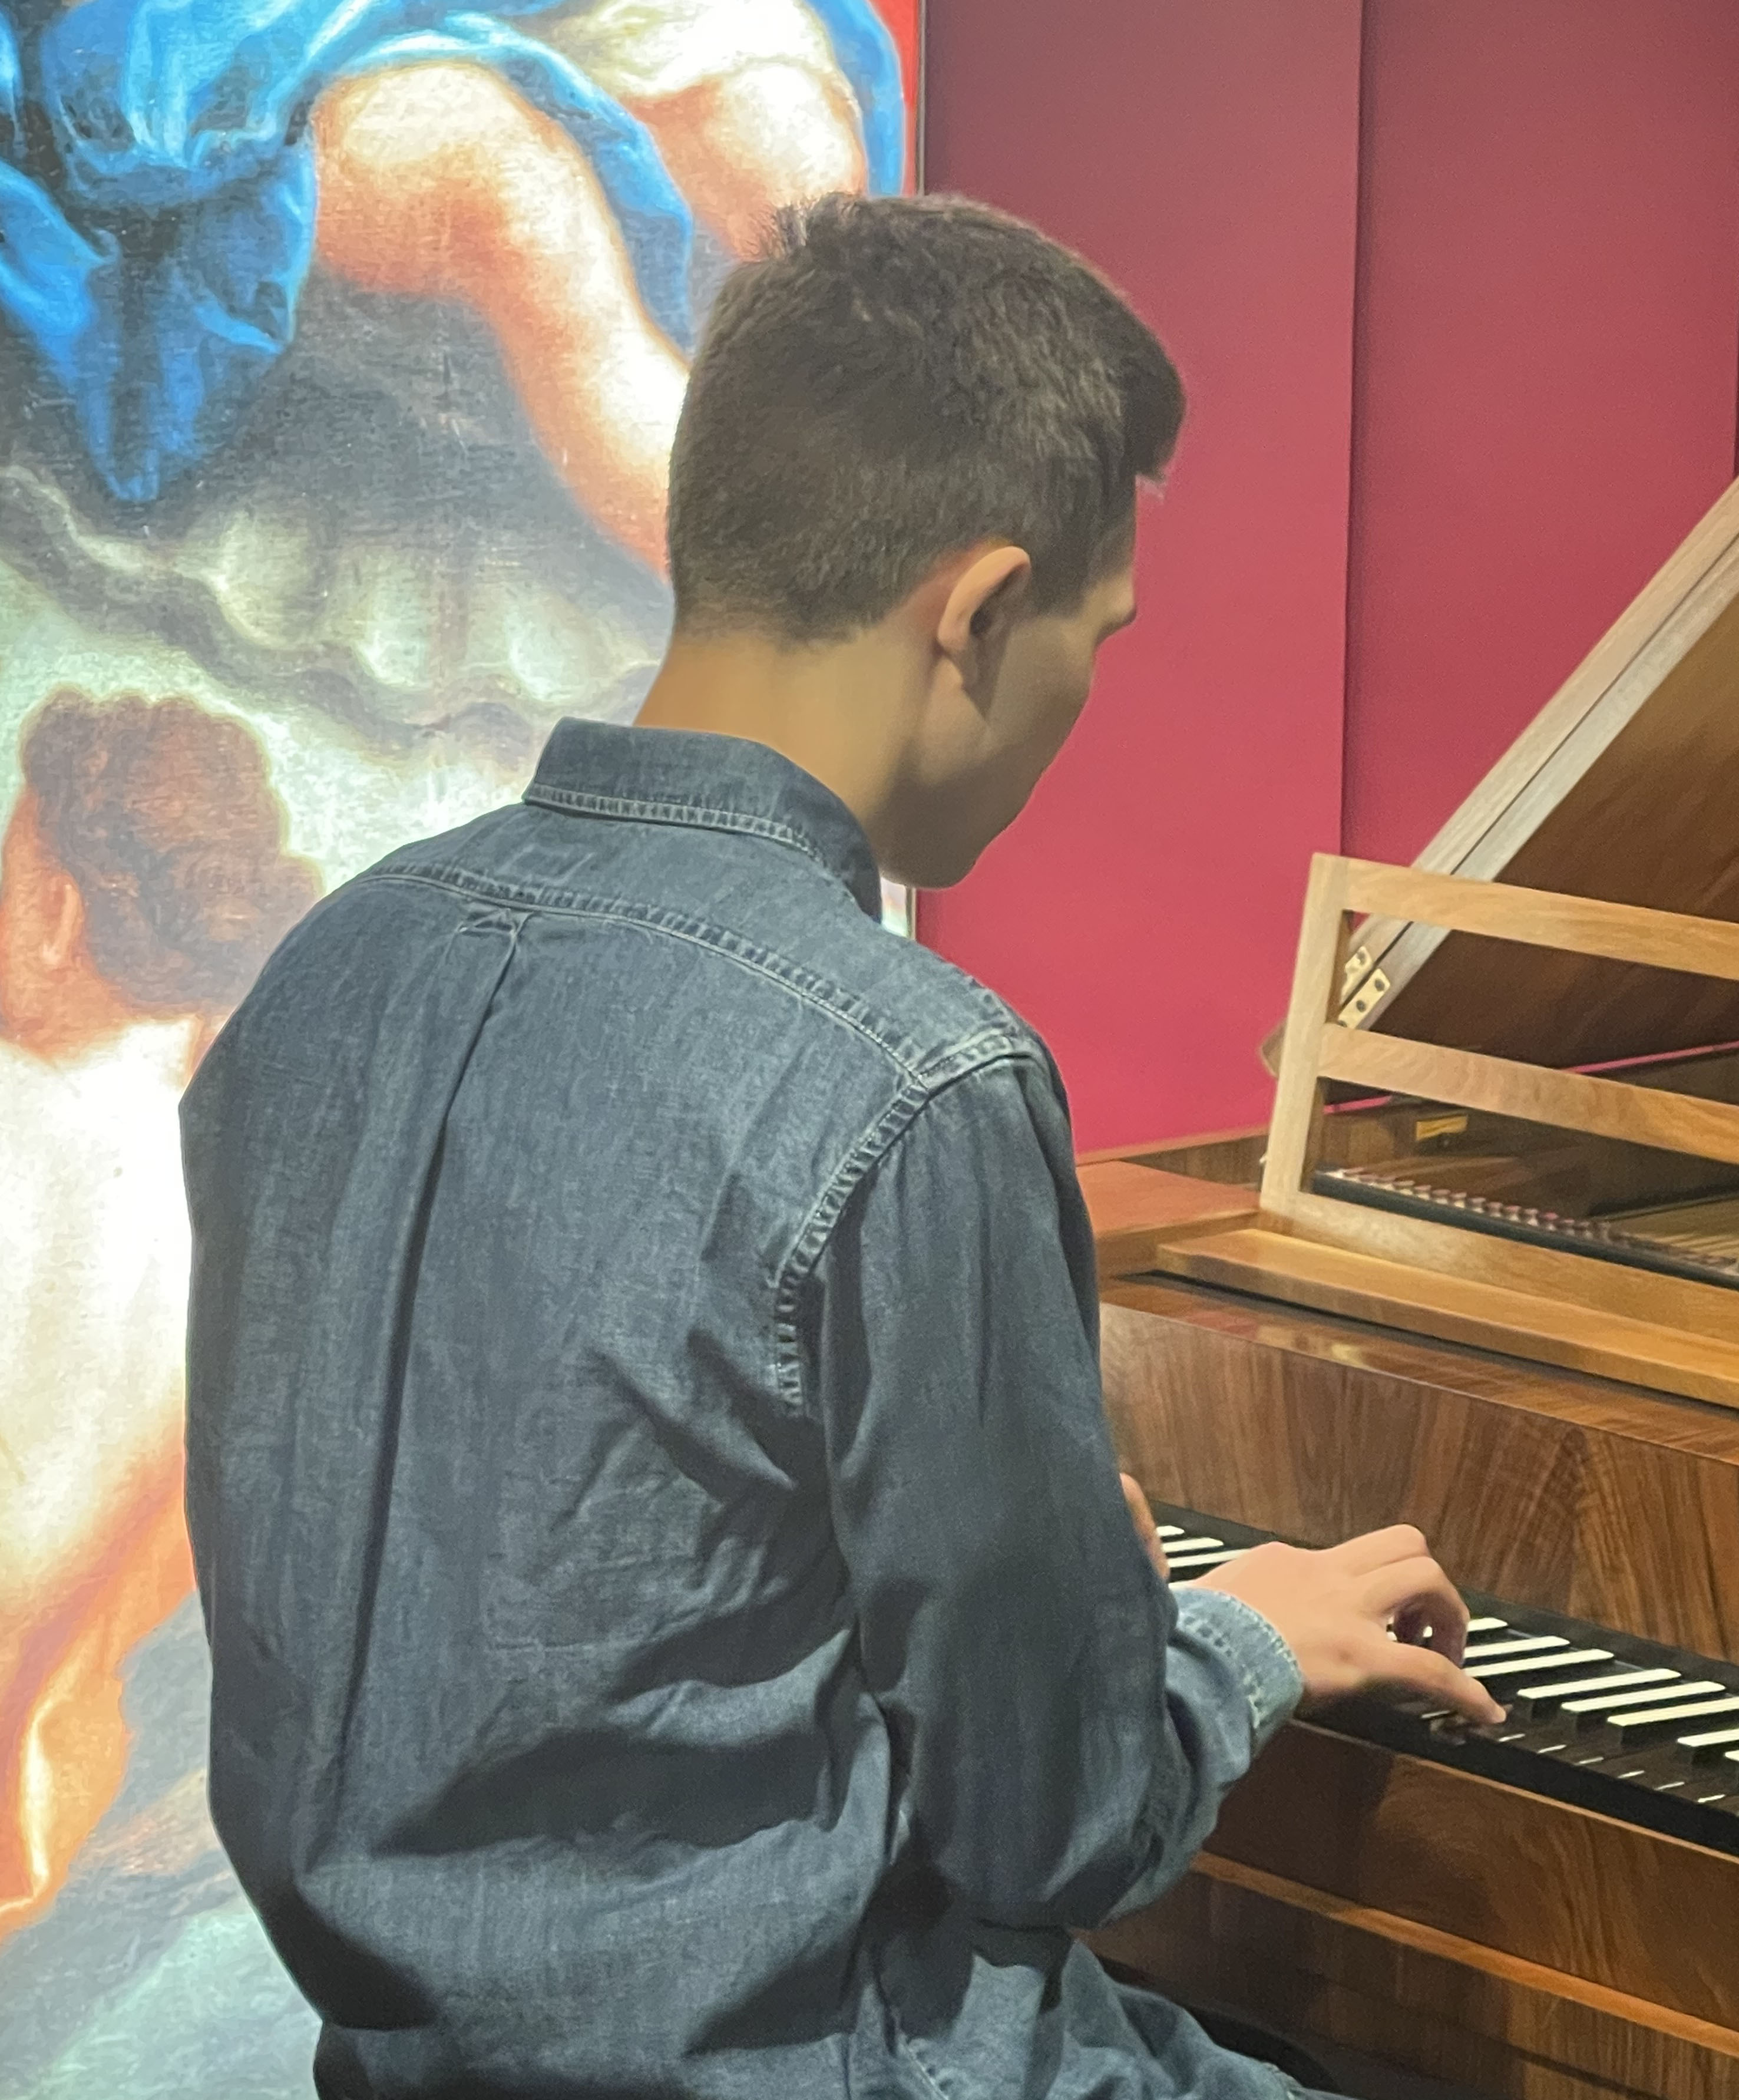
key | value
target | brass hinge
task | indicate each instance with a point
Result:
(1370, 994)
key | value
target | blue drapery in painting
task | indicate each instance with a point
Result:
(157, 189)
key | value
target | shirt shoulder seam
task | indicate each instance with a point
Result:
(972, 1059)
(819, 993)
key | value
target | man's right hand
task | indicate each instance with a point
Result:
(1335, 1609)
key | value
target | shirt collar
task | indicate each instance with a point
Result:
(716, 783)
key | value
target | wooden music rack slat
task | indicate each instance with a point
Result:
(1668, 1332)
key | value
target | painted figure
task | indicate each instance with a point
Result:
(143, 882)
(341, 346)
(345, 343)
(198, 156)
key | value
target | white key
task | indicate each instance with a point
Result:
(1710, 1739)
(1607, 1702)
(1192, 1546)
(1199, 1564)
(1627, 1680)
(1488, 1626)
(1169, 1530)
(1732, 1757)
(1524, 1665)
(1660, 1717)
(1520, 1644)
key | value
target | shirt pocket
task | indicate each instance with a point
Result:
(581, 1564)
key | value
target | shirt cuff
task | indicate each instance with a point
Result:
(1250, 1649)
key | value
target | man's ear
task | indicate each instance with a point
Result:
(981, 607)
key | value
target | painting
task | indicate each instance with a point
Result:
(341, 343)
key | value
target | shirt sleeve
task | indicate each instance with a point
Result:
(1066, 1726)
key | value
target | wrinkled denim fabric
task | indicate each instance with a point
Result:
(676, 1627)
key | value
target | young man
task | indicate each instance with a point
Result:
(675, 1625)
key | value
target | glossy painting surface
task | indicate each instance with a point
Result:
(340, 351)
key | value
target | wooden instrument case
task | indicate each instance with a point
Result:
(1562, 1424)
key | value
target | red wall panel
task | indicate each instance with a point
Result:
(1548, 347)
(1533, 395)
(1142, 912)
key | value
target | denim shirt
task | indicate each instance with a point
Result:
(675, 1624)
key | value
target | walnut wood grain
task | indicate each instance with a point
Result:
(1640, 746)
(1229, 1156)
(1537, 918)
(1639, 751)
(1568, 1101)
(1321, 1967)
(1615, 1905)
(1616, 677)
(1544, 1487)
(1133, 1207)
(1693, 1313)
(1376, 1285)
(1427, 1917)
(1648, 822)
(1560, 1305)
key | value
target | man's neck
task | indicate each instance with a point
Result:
(839, 710)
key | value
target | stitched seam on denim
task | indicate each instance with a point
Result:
(909, 2045)
(702, 816)
(999, 1016)
(1266, 1705)
(875, 1143)
(804, 986)
(1249, 1674)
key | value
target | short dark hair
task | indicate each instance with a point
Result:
(896, 379)
(163, 815)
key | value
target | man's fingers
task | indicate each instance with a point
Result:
(1335, 1610)
(1423, 1670)
(1418, 1589)
(1423, 1626)
(1377, 1549)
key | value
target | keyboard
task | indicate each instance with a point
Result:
(1624, 1726)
